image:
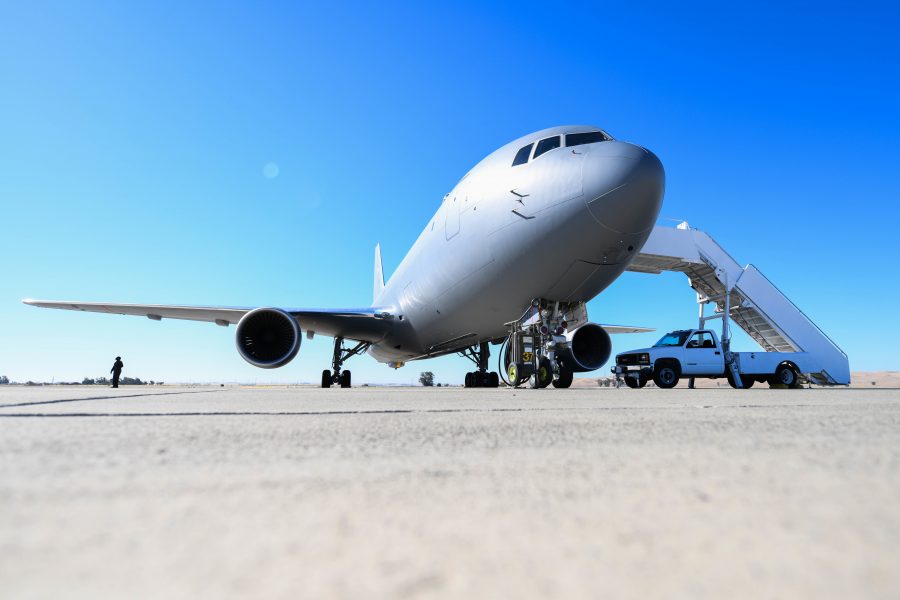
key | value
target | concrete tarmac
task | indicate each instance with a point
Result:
(448, 493)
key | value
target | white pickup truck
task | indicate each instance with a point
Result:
(698, 353)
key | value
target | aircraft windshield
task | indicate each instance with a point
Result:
(676, 338)
(589, 137)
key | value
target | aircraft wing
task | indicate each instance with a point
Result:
(361, 324)
(626, 329)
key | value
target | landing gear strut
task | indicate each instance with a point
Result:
(480, 377)
(341, 354)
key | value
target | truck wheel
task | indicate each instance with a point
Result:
(666, 375)
(785, 375)
(636, 383)
(746, 381)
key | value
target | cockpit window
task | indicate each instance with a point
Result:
(589, 137)
(546, 144)
(522, 155)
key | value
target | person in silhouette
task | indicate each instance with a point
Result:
(116, 371)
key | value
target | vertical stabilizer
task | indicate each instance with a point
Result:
(379, 274)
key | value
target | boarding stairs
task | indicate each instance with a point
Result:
(745, 295)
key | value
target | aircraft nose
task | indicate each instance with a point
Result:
(623, 186)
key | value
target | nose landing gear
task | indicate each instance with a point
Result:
(533, 348)
(341, 354)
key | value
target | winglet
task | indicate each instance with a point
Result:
(379, 274)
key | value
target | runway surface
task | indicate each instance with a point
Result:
(414, 493)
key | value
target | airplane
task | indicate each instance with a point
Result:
(530, 234)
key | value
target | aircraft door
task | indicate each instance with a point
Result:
(451, 216)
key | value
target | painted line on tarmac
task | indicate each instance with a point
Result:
(399, 411)
(106, 398)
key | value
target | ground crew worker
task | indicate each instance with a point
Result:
(116, 371)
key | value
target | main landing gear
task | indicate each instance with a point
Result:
(481, 377)
(336, 376)
(536, 348)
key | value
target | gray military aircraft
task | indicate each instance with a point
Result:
(516, 249)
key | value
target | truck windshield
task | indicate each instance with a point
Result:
(676, 338)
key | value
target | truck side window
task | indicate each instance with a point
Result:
(701, 339)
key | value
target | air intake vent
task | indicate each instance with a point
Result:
(268, 338)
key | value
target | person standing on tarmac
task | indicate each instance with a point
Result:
(116, 371)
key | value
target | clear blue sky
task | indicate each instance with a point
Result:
(134, 139)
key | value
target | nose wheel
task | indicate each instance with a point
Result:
(335, 376)
(564, 377)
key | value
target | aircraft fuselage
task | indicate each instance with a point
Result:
(561, 226)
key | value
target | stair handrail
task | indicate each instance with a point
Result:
(791, 302)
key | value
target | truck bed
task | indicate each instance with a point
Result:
(764, 363)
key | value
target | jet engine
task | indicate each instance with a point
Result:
(589, 348)
(268, 337)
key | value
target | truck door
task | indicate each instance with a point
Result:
(702, 356)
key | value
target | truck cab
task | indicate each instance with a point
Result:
(699, 353)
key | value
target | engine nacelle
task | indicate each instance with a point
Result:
(268, 338)
(589, 348)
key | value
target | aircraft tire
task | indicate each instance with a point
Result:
(565, 378)
(345, 379)
(326, 378)
(480, 379)
(493, 380)
(468, 380)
